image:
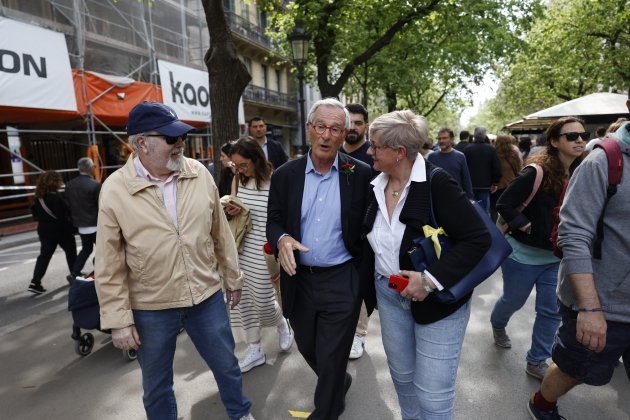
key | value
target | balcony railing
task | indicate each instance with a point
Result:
(269, 97)
(246, 28)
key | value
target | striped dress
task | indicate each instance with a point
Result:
(258, 307)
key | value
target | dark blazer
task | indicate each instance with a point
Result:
(82, 195)
(483, 164)
(276, 154)
(455, 213)
(285, 206)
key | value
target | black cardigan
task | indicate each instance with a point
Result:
(455, 213)
(539, 211)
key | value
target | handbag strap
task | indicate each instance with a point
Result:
(537, 182)
(46, 209)
(433, 219)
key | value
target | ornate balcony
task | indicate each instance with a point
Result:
(270, 98)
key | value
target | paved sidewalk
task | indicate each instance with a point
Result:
(17, 239)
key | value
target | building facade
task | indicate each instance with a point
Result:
(118, 47)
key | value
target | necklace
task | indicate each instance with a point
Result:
(395, 193)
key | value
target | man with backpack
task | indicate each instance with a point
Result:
(593, 292)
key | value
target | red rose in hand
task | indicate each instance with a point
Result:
(268, 249)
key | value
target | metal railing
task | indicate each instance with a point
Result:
(246, 28)
(269, 97)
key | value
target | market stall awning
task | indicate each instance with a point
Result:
(594, 104)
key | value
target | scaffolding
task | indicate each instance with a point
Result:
(123, 39)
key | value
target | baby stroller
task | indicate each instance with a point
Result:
(83, 303)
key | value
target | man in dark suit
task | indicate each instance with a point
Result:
(273, 149)
(315, 212)
(82, 195)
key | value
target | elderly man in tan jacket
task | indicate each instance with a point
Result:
(163, 249)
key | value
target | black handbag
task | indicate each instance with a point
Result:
(423, 253)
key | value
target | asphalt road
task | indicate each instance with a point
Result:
(41, 377)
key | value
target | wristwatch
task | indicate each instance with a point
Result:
(425, 283)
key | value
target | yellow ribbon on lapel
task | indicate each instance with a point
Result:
(433, 233)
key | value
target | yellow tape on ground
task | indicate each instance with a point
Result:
(299, 414)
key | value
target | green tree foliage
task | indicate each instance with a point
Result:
(576, 48)
(413, 53)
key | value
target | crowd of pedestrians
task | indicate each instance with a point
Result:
(339, 220)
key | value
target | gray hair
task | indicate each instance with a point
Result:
(401, 128)
(85, 165)
(332, 102)
(133, 140)
(480, 134)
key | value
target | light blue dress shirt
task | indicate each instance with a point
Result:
(320, 223)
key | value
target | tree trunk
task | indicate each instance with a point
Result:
(391, 100)
(228, 79)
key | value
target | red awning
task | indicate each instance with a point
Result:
(112, 107)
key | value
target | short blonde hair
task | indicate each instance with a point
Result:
(401, 128)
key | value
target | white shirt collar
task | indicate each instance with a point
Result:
(418, 174)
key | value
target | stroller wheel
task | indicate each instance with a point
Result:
(130, 354)
(83, 346)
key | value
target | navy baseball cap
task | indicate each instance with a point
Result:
(155, 116)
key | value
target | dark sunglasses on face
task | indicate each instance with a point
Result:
(169, 139)
(573, 136)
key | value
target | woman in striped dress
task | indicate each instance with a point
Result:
(258, 307)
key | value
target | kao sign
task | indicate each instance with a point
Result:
(34, 68)
(186, 91)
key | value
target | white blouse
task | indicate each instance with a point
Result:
(386, 236)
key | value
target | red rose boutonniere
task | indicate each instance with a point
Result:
(268, 249)
(347, 168)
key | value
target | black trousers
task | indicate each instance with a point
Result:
(87, 246)
(48, 245)
(324, 319)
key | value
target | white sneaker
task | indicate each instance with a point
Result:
(248, 417)
(285, 336)
(357, 347)
(254, 357)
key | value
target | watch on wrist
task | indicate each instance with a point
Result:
(425, 283)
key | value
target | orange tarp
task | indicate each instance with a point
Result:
(111, 108)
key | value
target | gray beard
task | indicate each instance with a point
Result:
(175, 164)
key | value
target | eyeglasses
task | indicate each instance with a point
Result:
(321, 129)
(376, 148)
(242, 166)
(169, 139)
(573, 135)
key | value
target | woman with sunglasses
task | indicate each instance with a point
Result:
(532, 262)
(258, 307)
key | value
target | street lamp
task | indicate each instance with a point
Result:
(299, 49)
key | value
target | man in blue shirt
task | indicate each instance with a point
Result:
(314, 221)
(452, 161)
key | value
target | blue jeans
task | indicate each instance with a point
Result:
(518, 281)
(422, 359)
(208, 327)
(483, 196)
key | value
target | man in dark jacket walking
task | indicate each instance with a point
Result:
(82, 194)
(484, 166)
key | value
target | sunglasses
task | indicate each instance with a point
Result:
(573, 135)
(169, 139)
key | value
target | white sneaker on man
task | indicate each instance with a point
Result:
(285, 334)
(254, 357)
(357, 347)
(248, 417)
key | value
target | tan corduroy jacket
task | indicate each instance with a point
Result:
(144, 262)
